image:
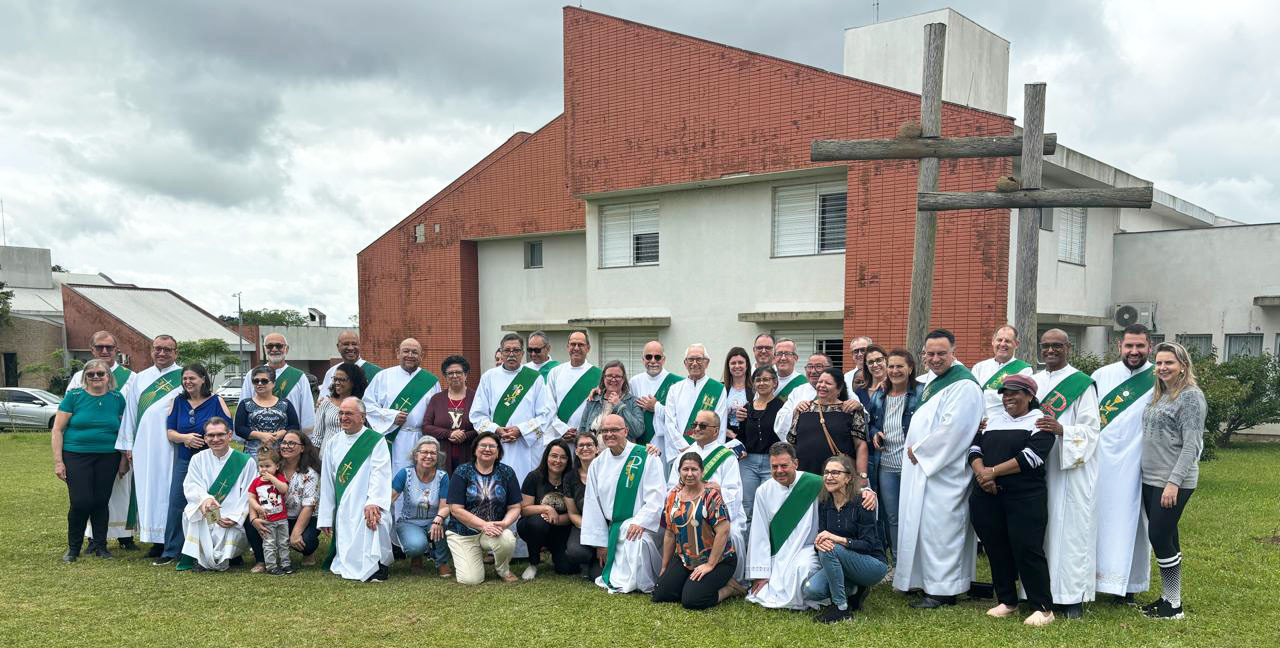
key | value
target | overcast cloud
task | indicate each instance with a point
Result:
(218, 147)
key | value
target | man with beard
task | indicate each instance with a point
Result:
(570, 384)
(650, 388)
(396, 402)
(291, 383)
(349, 351)
(763, 350)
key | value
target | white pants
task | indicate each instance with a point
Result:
(468, 554)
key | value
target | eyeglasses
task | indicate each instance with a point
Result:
(653, 356)
(817, 367)
(612, 430)
(833, 473)
(586, 446)
(454, 374)
(1053, 346)
(785, 354)
(578, 345)
(487, 446)
(701, 426)
(95, 374)
(289, 444)
(514, 351)
(537, 349)
(763, 347)
(165, 349)
(217, 435)
(695, 360)
(858, 351)
(274, 347)
(262, 381)
(103, 347)
(339, 379)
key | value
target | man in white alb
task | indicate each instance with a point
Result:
(651, 386)
(396, 402)
(355, 498)
(217, 492)
(513, 402)
(539, 350)
(991, 372)
(780, 555)
(685, 399)
(144, 438)
(857, 354)
(349, 351)
(719, 465)
(784, 360)
(291, 383)
(570, 384)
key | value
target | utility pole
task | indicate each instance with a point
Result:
(239, 334)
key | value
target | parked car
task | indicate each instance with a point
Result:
(230, 391)
(22, 406)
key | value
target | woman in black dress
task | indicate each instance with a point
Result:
(825, 430)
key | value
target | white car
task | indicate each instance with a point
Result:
(22, 406)
(229, 390)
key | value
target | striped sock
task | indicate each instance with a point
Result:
(1171, 578)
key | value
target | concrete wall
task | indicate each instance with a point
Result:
(23, 267)
(1203, 281)
(975, 66)
(512, 294)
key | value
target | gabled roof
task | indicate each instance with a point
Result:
(157, 311)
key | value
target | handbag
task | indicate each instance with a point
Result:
(831, 443)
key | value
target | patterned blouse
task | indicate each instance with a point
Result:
(694, 522)
(304, 490)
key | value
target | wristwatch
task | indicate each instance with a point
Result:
(862, 475)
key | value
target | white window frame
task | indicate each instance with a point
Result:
(1192, 341)
(632, 340)
(621, 227)
(1229, 352)
(797, 222)
(528, 254)
(807, 343)
(1071, 224)
(420, 233)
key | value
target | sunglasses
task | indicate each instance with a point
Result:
(701, 426)
(275, 347)
(103, 347)
(95, 374)
(537, 349)
(653, 356)
(262, 381)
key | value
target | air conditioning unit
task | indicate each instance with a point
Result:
(1135, 313)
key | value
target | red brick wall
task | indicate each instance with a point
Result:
(428, 290)
(83, 318)
(647, 107)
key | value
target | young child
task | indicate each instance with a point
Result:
(267, 492)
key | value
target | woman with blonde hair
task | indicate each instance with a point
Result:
(1172, 438)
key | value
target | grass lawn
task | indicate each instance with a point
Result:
(1231, 592)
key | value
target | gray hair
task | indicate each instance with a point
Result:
(106, 366)
(427, 440)
(860, 337)
(698, 345)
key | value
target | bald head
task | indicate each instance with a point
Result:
(277, 349)
(1055, 349)
(351, 415)
(349, 346)
(654, 357)
(410, 354)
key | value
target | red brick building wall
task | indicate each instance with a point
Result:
(647, 107)
(83, 318)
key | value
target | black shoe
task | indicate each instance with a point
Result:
(1164, 610)
(197, 569)
(379, 576)
(236, 562)
(859, 595)
(73, 554)
(127, 544)
(100, 551)
(1127, 599)
(832, 614)
(928, 602)
(288, 569)
(162, 561)
(981, 591)
(1073, 611)
(1150, 607)
(156, 550)
(275, 571)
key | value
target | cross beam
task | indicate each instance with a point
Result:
(914, 148)
(1124, 197)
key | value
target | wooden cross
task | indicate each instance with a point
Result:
(1029, 199)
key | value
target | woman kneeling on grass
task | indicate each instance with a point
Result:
(697, 526)
(484, 499)
(421, 488)
(848, 543)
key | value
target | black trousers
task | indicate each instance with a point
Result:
(674, 584)
(310, 537)
(1011, 526)
(90, 477)
(1162, 523)
(580, 555)
(537, 534)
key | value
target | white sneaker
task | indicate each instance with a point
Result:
(529, 573)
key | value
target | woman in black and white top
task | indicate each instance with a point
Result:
(265, 417)
(1172, 438)
(1009, 507)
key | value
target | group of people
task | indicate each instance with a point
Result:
(800, 489)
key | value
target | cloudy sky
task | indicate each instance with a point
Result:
(219, 147)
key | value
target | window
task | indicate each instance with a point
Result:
(629, 235)
(22, 398)
(420, 233)
(533, 254)
(811, 341)
(627, 345)
(1156, 338)
(1070, 223)
(809, 219)
(1244, 345)
(1196, 344)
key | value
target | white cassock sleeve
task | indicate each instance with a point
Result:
(1080, 438)
(544, 412)
(961, 409)
(380, 419)
(324, 512)
(782, 422)
(481, 414)
(195, 486)
(305, 403)
(379, 464)
(759, 554)
(653, 494)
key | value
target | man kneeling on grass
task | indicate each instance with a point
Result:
(355, 498)
(217, 491)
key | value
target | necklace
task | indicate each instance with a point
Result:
(455, 404)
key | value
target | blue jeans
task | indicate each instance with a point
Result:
(173, 538)
(841, 568)
(415, 542)
(890, 485)
(755, 471)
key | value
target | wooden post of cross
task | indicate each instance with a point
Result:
(928, 146)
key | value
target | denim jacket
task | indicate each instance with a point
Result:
(876, 424)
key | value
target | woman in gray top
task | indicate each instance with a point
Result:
(1172, 438)
(613, 396)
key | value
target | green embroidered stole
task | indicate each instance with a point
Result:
(515, 393)
(285, 381)
(1064, 395)
(624, 502)
(578, 393)
(547, 367)
(410, 395)
(797, 379)
(707, 399)
(1014, 366)
(121, 374)
(661, 397)
(161, 386)
(370, 370)
(713, 461)
(350, 465)
(793, 509)
(228, 476)
(952, 376)
(1125, 394)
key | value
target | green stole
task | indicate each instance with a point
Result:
(952, 376)
(285, 381)
(1016, 365)
(547, 367)
(793, 509)
(713, 461)
(797, 379)
(578, 393)
(661, 397)
(221, 487)
(370, 370)
(1064, 395)
(347, 469)
(624, 502)
(1125, 394)
(707, 399)
(510, 399)
(410, 395)
(161, 386)
(121, 374)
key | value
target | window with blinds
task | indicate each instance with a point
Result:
(811, 341)
(627, 346)
(629, 235)
(809, 219)
(1196, 344)
(1244, 345)
(1070, 223)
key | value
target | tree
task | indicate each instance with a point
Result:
(58, 268)
(267, 317)
(57, 368)
(6, 304)
(1241, 393)
(213, 353)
